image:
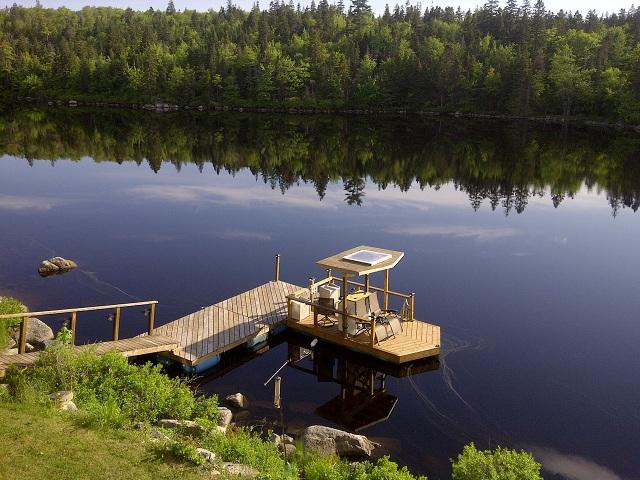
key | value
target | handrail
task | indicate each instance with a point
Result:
(79, 309)
(24, 316)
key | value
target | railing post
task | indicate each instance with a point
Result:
(386, 289)
(344, 305)
(412, 301)
(116, 324)
(373, 332)
(74, 321)
(277, 275)
(152, 318)
(311, 282)
(328, 273)
(24, 328)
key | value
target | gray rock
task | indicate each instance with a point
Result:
(68, 407)
(188, 426)
(56, 265)
(331, 441)
(208, 456)
(62, 396)
(48, 344)
(237, 400)
(158, 435)
(224, 417)
(38, 333)
(241, 470)
(139, 426)
(288, 450)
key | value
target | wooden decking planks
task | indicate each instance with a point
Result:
(229, 323)
(129, 347)
(417, 340)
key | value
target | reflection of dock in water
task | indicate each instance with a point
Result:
(363, 400)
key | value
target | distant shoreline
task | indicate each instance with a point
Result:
(163, 107)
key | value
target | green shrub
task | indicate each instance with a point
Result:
(318, 467)
(243, 447)
(8, 306)
(500, 464)
(108, 389)
(185, 451)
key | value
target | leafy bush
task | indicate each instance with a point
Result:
(500, 464)
(185, 451)
(318, 467)
(243, 447)
(332, 468)
(108, 389)
(8, 306)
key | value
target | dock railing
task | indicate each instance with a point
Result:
(307, 296)
(150, 312)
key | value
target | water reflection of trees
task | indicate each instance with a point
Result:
(499, 165)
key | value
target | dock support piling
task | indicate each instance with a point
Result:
(277, 275)
(366, 283)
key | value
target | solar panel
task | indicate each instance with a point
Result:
(368, 257)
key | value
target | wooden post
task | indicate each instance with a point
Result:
(344, 305)
(386, 289)
(24, 328)
(74, 321)
(328, 272)
(311, 282)
(412, 302)
(366, 282)
(288, 309)
(315, 316)
(116, 324)
(152, 318)
(277, 276)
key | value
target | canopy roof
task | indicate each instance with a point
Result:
(351, 267)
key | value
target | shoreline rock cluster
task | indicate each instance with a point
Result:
(172, 107)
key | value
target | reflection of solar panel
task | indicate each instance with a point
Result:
(368, 257)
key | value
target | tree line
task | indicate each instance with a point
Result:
(499, 166)
(513, 59)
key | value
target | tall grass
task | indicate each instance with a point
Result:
(8, 305)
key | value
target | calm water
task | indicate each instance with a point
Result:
(521, 242)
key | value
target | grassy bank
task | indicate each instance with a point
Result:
(40, 443)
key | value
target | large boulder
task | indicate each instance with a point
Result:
(237, 400)
(331, 441)
(38, 333)
(240, 470)
(56, 266)
(187, 426)
(224, 417)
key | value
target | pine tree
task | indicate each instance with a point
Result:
(171, 8)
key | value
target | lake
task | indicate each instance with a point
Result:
(520, 241)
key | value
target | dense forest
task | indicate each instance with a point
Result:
(499, 166)
(516, 59)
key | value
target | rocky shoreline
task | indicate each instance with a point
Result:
(161, 107)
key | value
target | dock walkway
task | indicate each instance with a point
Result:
(130, 347)
(213, 330)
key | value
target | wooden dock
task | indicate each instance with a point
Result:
(130, 347)
(204, 335)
